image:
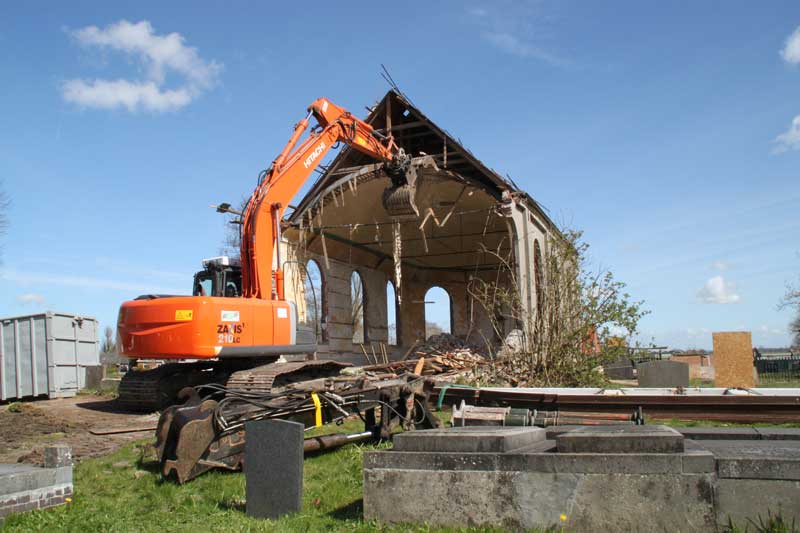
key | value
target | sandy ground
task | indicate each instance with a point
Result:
(25, 433)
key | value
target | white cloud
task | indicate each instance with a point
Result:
(104, 94)
(515, 46)
(790, 139)
(718, 291)
(30, 298)
(518, 29)
(721, 265)
(159, 54)
(791, 50)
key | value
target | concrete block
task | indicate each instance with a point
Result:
(63, 475)
(766, 459)
(741, 500)
(778, 433)
(608, 463)
(663, 374)
(569, 463)
(749, 468)
(621, 369)
(698, 461)
(524, 500)
(57, 456)
(717, 433)
(273, 468)
(25, 479)
(469, 439)
(621, 439)
(554, 431)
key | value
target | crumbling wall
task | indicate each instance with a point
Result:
(468, 319)
(337, 299)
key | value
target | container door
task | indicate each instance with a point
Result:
(8, 358)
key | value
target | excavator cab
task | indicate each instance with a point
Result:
(221, 276)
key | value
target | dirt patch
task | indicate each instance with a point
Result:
(25, 421)
(26, 428)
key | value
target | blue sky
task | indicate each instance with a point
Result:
(652, 126)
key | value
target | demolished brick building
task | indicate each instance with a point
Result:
(469, 217)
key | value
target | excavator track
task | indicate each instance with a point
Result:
(273, 376)
(157, 389)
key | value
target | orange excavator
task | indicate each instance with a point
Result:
(244, 340)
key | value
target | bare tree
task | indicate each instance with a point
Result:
(431, 329)
(313, 298)
(232, 241)
(357, 308)
(792, 300)
(577, 310)
(109, 345)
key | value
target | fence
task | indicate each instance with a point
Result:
(778, 368)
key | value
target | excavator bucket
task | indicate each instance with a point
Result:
(204, 433)
(400, 202)
(399, 199)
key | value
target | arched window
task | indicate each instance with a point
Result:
(438, 315)
(357, 299)
(539, 278)
(314, 296)
(392, 315)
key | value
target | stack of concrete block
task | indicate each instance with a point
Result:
(25, 487)
(591, 478)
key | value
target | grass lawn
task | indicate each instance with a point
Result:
(124, 492)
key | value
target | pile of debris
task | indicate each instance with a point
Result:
(444, 356)
(444, 365)
(447, 344)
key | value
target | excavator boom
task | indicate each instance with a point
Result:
(261, 323)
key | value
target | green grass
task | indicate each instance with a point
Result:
(674, 422)
(780, 384)
(124, 492)
(112, 497)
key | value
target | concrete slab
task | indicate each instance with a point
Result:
(719, 433)
(742, 500)
(766, 460)
(663, 374)
(15, 469)
(567, 463)
(779, 433)
(470, 439)
(621, 439)
(555, 431)
(30, 478)
(518, 500)
(273, 468)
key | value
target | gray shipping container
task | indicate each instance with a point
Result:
(46, 354)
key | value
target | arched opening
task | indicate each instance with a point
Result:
(314, 299)
(392, 315)
(538, 277)
(357, 299)
(438, 312)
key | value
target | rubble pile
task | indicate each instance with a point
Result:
(446, 343)
(442, 355)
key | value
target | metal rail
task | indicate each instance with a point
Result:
(722, 408)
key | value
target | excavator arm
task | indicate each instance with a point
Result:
(261, 323)
(288, 173)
